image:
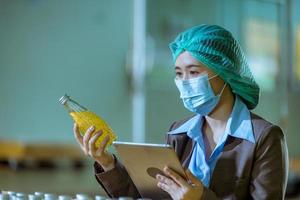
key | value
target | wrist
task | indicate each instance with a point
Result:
(109, 164)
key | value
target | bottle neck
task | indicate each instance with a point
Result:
(73, 106)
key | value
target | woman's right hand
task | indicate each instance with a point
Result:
(87, 144)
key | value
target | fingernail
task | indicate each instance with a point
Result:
(98, 133)
(166, 170)
(92, 128)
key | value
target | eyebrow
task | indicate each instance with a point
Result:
(188, 66)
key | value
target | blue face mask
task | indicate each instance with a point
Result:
(197, 94)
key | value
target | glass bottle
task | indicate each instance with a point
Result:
(4, 196)
(50, 196)
(85, 119)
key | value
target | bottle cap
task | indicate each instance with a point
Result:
(82, 197)
(49, 196)
(33, 197)
(125, 198)
(64, 197)
(64, 99)
(97, 197)
(21, 196)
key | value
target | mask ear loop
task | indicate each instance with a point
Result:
(220, 94)
(213, 76)
(222, 89)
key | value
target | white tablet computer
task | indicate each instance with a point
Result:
(143, 161)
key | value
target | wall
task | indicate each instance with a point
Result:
(49, 48)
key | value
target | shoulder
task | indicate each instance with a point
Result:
(180, 138)
(264, 129)
(178, 123)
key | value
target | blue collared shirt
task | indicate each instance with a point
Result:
(238, 125)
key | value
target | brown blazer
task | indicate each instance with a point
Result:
(243, 171)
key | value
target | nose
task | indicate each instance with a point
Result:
(185, 76)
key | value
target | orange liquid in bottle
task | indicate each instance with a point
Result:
(86, 119)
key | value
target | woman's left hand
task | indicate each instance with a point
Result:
(178, 188)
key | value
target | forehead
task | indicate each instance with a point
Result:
(186, 60)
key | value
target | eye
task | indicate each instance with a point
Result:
(178, 74)
(194, 73)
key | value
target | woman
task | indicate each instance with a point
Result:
(229, 152)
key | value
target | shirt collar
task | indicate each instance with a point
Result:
(239, 124)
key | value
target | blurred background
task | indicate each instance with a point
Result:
(113, 58)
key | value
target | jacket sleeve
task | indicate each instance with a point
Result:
(116, 182)
(270, 169)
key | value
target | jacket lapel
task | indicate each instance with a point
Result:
(187, 153)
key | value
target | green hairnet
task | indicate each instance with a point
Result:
(215, 47)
